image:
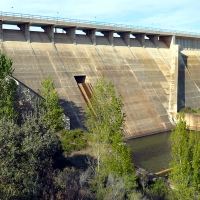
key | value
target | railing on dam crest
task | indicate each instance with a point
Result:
(122, 26)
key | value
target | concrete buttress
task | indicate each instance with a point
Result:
(109, 36)
(126, 37)
(169, 40)
(140, 38)
(50, 32)
(71, 32)
(25, 29)
(154, 39)
(91, 34)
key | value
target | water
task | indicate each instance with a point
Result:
(151, 152)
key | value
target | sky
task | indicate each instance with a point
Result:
(182, 15)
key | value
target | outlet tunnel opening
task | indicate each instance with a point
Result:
(86, 89)
(80, 79)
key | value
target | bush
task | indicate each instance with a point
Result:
(158, 190)
(73, 140)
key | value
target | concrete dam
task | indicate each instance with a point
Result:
(157, 72)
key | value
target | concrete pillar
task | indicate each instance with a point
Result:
(169, 40)
(109, 36)
(140, 38)
(49, 30)
(25, 29)
(71, 32)
(173, 95)
(1, 31)
(154, 39)
(126, 37)
(91, 34)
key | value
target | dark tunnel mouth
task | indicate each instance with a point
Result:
(80, 79)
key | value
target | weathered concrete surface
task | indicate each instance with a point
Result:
(192, 120)
(146, 77)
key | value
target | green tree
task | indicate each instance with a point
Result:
(8, 88)
(185, 174)
(53, 111)
(105, 120)
(27, 157)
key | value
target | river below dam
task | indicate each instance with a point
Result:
(151, 152)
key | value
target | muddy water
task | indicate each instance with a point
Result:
(151, 152)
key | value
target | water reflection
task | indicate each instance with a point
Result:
(152, 152)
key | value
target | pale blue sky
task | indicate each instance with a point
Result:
(180, 15)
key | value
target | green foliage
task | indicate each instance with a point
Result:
(53, 111)
(158, 190)
(105, 121)
(8, 88)
(5, 66)
(26, 155)
(185, 174)
(73, 140)
(189, 110)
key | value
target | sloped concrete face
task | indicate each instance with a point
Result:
(141, 75)
(189, 82)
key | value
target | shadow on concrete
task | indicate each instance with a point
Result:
(39, 37)
(13, 36)
(135, 43)
(101, 40)
(83, 39)
(27, 100)
(181, 82)
(62, 38)
(75, 113)
(118, 41)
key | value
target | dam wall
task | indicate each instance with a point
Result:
(189, 71)
(140, 74)
(154, 74)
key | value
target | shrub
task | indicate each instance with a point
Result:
(158, 190)
(73, 140)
